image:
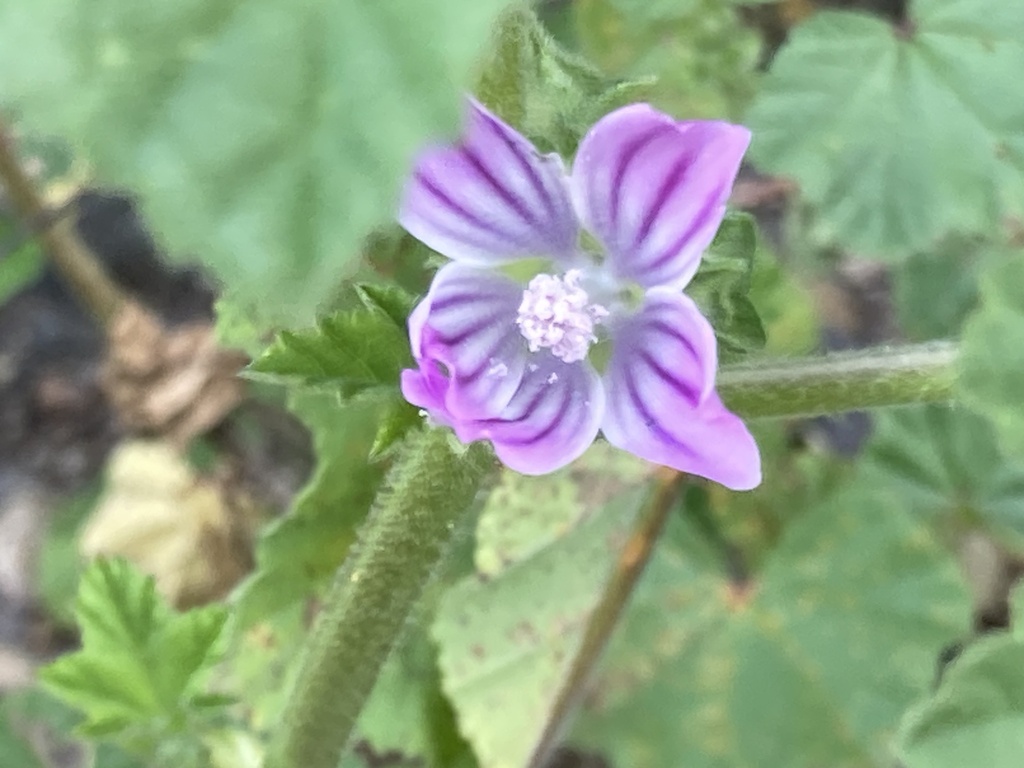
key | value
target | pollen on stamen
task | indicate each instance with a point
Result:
(556, 313)
(497, 369)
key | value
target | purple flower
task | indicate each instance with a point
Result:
(602, 337)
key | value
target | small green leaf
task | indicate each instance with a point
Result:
(722, 287)
(397, 420)
(298, 552)
(992, 357)
(841, 112)
(394, 302)
(977, 715)
(550, 95)
(139, 658)
(267, 138)
(349, 352)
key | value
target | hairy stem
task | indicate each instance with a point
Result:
(633, 558)
(78, 267)
(405, 539)
(847, 381)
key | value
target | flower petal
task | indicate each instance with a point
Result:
(653, 190)
(661, 400)
(466, 324)
(551, 421)
(491, 199)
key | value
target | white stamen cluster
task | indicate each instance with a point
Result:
(556, 314)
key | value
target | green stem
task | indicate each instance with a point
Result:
(403, 542)
(846, 381)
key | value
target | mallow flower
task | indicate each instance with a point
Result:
(562, 313)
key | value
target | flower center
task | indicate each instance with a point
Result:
(557, 314)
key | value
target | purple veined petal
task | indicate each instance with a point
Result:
(654, 190)
(425, 387)
(661, 403)
(551, 421)
(490, 199)
(466, 325)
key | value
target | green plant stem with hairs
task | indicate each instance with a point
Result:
(406, 538)
(431, 489)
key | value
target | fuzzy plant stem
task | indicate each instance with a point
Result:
(427, 497)
(845, 381)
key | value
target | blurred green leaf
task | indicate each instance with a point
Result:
(811, 663)
(945, 467)
(297, 552)
(841, 112)
(722, 287)
(14, 744)
(936, 289)
(508, 636)
(549, 94)
(139, 658)
(976, 717)
(60, 564)
(992, 357)
(701, 55)
(267, 138)
(350, 352)
(785, 306)
(18, 268)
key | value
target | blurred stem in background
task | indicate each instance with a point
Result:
(81, 270)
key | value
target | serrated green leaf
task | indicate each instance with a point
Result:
(701, 56)
(722, 287)
(398, 419)
(350, 352)
(507, 636)
(841, 112)
(977, 715)
(992, 358)
(266, 137)
(809, 664)
(296, 553)
(393, 301)
(139, 658)
(549, 94)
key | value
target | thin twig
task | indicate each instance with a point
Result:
(76, 265)
(633, 558)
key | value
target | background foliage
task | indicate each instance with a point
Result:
(855, 611)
